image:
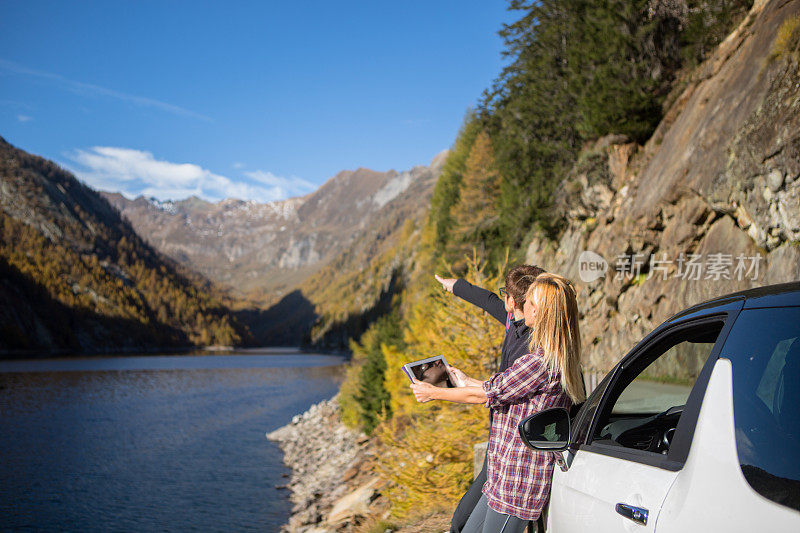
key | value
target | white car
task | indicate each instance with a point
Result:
(695, 429)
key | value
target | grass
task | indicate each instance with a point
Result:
(787, 41)
(379, 526)
(672, 380)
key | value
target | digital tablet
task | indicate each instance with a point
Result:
(432, 370)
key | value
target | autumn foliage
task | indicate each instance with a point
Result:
(74, 276)
(427, 449)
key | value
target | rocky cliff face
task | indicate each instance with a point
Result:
(273, 247)
(708, 206)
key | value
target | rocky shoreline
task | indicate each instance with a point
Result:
(332, 486)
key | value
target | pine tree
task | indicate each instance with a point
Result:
(371, 396)
(447, 191)
(475, 214)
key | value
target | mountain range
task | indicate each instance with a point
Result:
(265, 250)
(135, 275)
(75, 276)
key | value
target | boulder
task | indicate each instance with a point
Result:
(354, 504)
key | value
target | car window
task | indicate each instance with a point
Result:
(764, 349)
(645, 404)
(667, 382)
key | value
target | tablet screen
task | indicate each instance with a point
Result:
(433, 372)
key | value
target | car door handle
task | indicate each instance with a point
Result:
(637, 514)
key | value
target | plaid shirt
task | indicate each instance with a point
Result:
(518, 478)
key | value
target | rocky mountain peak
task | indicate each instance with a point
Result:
(251, 246)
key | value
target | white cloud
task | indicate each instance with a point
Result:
(24, 118)
(288, 187)
(16, 104)
(237, 165)
(137, 172)
(79, 87)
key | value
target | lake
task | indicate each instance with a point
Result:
(156, 442)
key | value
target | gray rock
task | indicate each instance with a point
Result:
(355, 503)
(782, 264)
(478, 457)
(317, 463)
(775, 179)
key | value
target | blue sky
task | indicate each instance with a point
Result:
(254, 100)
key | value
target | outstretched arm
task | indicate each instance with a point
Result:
(461, 379)
(486, 300)
(425, 392)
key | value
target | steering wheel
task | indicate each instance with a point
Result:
(666, 440)
(666, 436)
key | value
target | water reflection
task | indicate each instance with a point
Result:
(154, 442)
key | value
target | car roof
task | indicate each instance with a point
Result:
(780, 295)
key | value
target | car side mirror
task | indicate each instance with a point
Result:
(547, 431)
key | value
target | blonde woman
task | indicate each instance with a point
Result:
(518, 478)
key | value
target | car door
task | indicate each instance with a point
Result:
(743, 470)
(629, 453)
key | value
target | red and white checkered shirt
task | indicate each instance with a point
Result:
(518, 478)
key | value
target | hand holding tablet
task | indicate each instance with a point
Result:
(434, 370)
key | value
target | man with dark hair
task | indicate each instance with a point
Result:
(508, 311)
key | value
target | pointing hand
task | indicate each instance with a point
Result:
(447, 283)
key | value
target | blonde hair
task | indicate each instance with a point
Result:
(556, 330)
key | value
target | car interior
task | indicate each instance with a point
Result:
(646, 402)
